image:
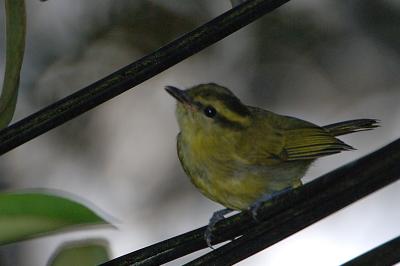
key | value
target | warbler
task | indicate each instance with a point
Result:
(237, 154)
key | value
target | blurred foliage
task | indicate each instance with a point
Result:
(284, 38)
(89, 252)
(141, 22)
(26, 215)
(379, 19)
(15, 46)
(343, 43)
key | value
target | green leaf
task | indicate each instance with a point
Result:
(81, 253)
(26, 215)
(15, 46)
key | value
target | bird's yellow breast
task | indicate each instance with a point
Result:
(226, 179)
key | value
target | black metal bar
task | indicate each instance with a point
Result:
(135, 73)
(386, 254)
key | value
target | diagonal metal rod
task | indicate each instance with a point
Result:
(386, 254)
(135, 73)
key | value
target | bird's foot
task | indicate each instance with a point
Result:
(255, 206)
(215, 218)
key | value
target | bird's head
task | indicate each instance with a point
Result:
(209, 108)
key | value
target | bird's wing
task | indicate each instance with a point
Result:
(310, 143)
(276, 139)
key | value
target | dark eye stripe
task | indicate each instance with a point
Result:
(230, 101)
(233, 104)
(224, 122)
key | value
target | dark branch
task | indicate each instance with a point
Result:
(135, 73)
(284, 216)
(385, 254)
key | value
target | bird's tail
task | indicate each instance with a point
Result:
(351, 126)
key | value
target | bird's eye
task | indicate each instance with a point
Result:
(210, 111)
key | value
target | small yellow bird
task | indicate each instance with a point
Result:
(238, 155)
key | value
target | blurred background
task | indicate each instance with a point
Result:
(322, 61)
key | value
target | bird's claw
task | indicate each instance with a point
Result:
(208, 236)
(215, 218)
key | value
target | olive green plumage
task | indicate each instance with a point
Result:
(235, 154)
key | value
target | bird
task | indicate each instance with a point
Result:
(241, 156)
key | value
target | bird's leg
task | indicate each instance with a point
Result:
(264, 198)
(215, 218)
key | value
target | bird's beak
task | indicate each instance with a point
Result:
(179, 95)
